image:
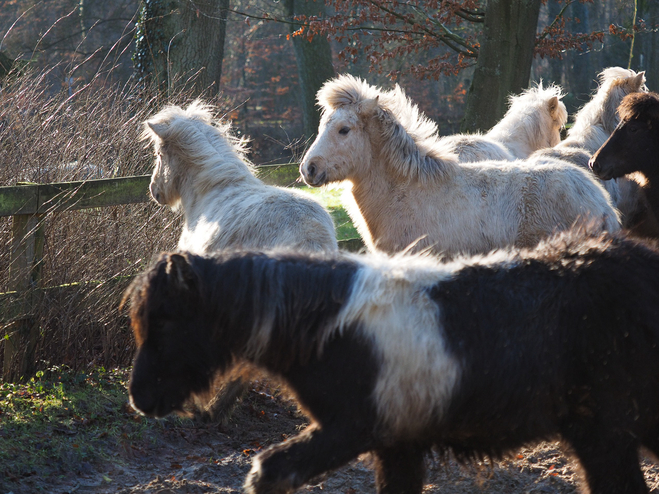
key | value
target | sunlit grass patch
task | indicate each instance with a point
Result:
(331, 199)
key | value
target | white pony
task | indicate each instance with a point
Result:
(407, 187)
(533, 121)
(593, 125)
(201, 167)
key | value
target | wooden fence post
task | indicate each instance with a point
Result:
(26, 257)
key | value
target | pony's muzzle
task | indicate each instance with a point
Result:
(311, 176)
(597, 168)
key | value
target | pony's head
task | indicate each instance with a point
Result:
(600, 114)
(190, 148)
(615, 84)
(533, 121)
(361, 124)
(634, 144)
(174, 359)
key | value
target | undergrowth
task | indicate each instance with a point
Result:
(48, 135)
(331, 199)
(59, 420)
(62, 424)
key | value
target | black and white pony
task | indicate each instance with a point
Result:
(398, 356)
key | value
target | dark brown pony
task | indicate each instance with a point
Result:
(634, 147)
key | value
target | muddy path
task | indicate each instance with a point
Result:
(195, 457)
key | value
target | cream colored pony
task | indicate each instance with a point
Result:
(533, 121)
(407, 187)
(201, 168)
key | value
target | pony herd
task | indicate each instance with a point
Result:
(501, 303)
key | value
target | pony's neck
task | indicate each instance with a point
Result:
(279, 311)
(651, 191)
(222, 185)
(511, 133)
(384, 208)
(588, 130)
(371, 192)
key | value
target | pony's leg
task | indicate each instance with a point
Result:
(610, 464)
(399, 469)
(284, 467)
(220, 407)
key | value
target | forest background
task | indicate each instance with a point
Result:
(248, 51)
(79, 76)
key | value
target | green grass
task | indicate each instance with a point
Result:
(59, 420)
(331, 199)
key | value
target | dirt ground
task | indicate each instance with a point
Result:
(195, 457)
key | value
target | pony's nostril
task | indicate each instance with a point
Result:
(594, 165)
(311, 169)
(155, 193)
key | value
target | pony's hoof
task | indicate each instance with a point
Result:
(261, 481)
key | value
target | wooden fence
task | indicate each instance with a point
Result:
(27, 204)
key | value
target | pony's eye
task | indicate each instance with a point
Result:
(344, 130)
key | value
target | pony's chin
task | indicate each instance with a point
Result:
(606, 175)
(156, 409)
(318, 181)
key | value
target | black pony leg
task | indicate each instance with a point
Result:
(284, 467)
(611, 466)
(399, 469)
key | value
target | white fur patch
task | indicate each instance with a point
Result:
(417, 374)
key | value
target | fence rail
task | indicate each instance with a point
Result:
(27, 204)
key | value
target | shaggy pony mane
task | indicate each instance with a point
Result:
(409, 140)
(523, 113)
(206, 145)
(261, 307)
(639, 105)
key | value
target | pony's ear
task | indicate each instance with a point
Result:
(369, 106)
(180, 274)
(635, 83)
(159, 129)
(552, 105)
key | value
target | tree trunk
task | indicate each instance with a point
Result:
(504, 61)
(314, 62)
(178, 40)
(581, 73)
